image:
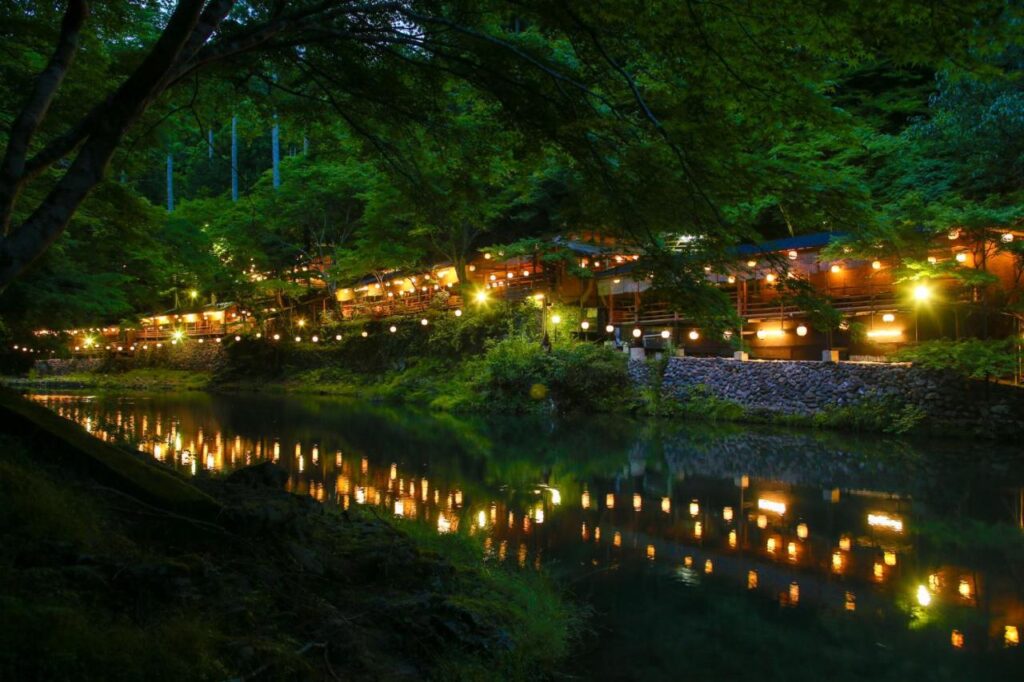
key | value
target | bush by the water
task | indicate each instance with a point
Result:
(972, 358)
(519, 374)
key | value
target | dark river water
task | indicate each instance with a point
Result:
(697, 551)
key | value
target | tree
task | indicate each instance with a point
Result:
(661, 105)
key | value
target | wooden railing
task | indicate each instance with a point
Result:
(411, 304)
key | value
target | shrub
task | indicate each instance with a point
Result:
(972, 358)
(519, 374)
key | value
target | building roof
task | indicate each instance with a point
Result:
(814, 240)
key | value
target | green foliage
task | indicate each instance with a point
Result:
(972, 358)
(519, 375)
(884, 414)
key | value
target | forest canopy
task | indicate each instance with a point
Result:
(418, 132)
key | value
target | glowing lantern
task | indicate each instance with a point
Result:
(708, 566)
(727, 513)
(878, 571)
(961, 257)
(876, 265)
(890, 558)
(698, 529)
(585, 501)
(801, 330)
(1011, 636)
(298, 339)
(801, 531)
(424, 322)
(751, 263)
(837, 562)
(238, 338)
(844, 543)
(771, 545)
(957, 639)
(556, 319)
(731, 279)
(609, 501)
(584, 325)
(694, 335)
(751, 580)
(791, 551)
(364, 334)
(922, 293)
(277, 337)
(694, 508)
(888, 317)
(792, 255)
(458, 312)
(964, 588)
(924, 597)
(637, 502)
(794, 593)
(665, 334)
(836, 269)
(617, 539)
(650, 552)
(770, 277)
(1007, 237)
(762, 521)
(481, 296)
(637, 333)
(666, 505)
(609, 328)
(315, 339)
(392, 329)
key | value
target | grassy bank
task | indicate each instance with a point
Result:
(99, 585)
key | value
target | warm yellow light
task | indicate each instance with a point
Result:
(609, 328)
(637, 333)
(792, 255)
(889, 557)
(770, 333)
(298, 339)
(794, 593)
(924, 597)
(771, 545)
(193, 293)
(888, 317)
(731, 279)
(751, 580)
(876, 265)
(609, 500)
(364, 334)
(665, 334)
(801, 330)
(727, 513)
(666, 504)
(836, 269)
(424, 322)
(694, 335)
(844, 543)
(556, 318)
(961, 257)
(584, 325)
(1011, 636)
(481, 296)
(650, 552)
(178, 335)
(957, 639)
(762, 521)
(964, 588)
(708, 566)
(585, 500)
(637, 502)
(773, 506)
(837, 562)
(879, 571)
(801, 531)
(698, 529)
(922, 293)
(301, 322)
(751, 263)
(732, 538)
(694, 508)
(879, 520)
(770, 277)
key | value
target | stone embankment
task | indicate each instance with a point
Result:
(805, 388)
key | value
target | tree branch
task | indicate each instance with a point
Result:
(36, 107)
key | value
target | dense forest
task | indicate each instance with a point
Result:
(155, 149)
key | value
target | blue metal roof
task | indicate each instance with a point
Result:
(803, 241)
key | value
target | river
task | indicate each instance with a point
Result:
(699, 551)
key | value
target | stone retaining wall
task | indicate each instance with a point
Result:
(190, 356)
(794, 387)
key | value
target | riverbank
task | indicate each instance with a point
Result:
(100, 583)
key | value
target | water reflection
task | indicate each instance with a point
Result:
(827, 522)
